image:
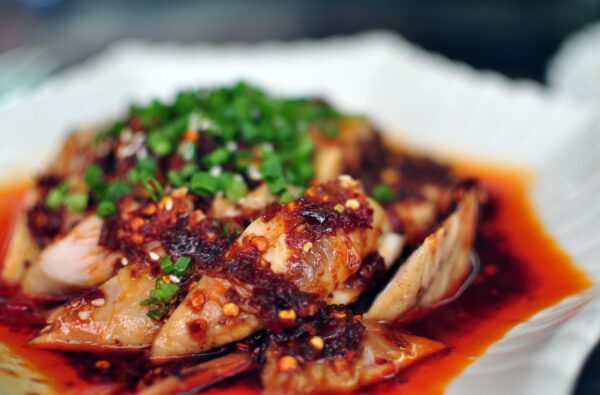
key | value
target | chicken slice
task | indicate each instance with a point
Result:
(315, 245)
(433, 271)
(22, 249)
(321, 263)
(249, 206)
(109, 318)
(205, 319)
(383, 353)
(339, 154)
(72, 263)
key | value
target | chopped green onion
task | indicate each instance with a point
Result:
(166, 264)
(383, 193)
(56, 196)
(234, 187)
(287, 197)
(185, 102)
(146, 165)
(204, 184)
(230, 229)
(106, 208)
(94, 175)
(188, 170)
(160, 144)
(272, 172)
(76, 201)
(158, 313)
(117, 190)
(175, 178)
(163, 292)
(181, 266)
(242, 159)
(159, 298)
(153, 114)
(154, 188)
(217, 157)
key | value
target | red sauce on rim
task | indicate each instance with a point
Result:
(523, 270)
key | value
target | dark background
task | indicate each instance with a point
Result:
(514, 37)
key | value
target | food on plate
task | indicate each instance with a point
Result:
(230, 232)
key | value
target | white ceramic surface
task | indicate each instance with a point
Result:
(430, 100)
(573, 71)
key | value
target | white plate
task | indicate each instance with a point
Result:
(433, 101)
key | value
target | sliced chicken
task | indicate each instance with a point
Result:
(339, 154)
(110, 318)
(315, 244)
(72, 263)
(206, 319)
(22, 250)
(435, 270)
(249, 206)
(303, 243)
(382, 354)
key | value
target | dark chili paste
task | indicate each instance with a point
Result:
(340, 331)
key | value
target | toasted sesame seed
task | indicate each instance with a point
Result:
(84, 314)
(352, 204)
(307, 246)
(339, 208)
(174, 279)
(339, 314)
(168, 203)
(346, 181)
(231, 146)
(287, 363)
(287, 315)
(215, 171)
(317, 343)
(231, 310)
(253, 173)
(124, 261)
(98, 302)
(153, 255)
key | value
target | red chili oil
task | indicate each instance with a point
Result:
(523, 270)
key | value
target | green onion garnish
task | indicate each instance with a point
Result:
(383, 193)
(181, 265)
(106, 208)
